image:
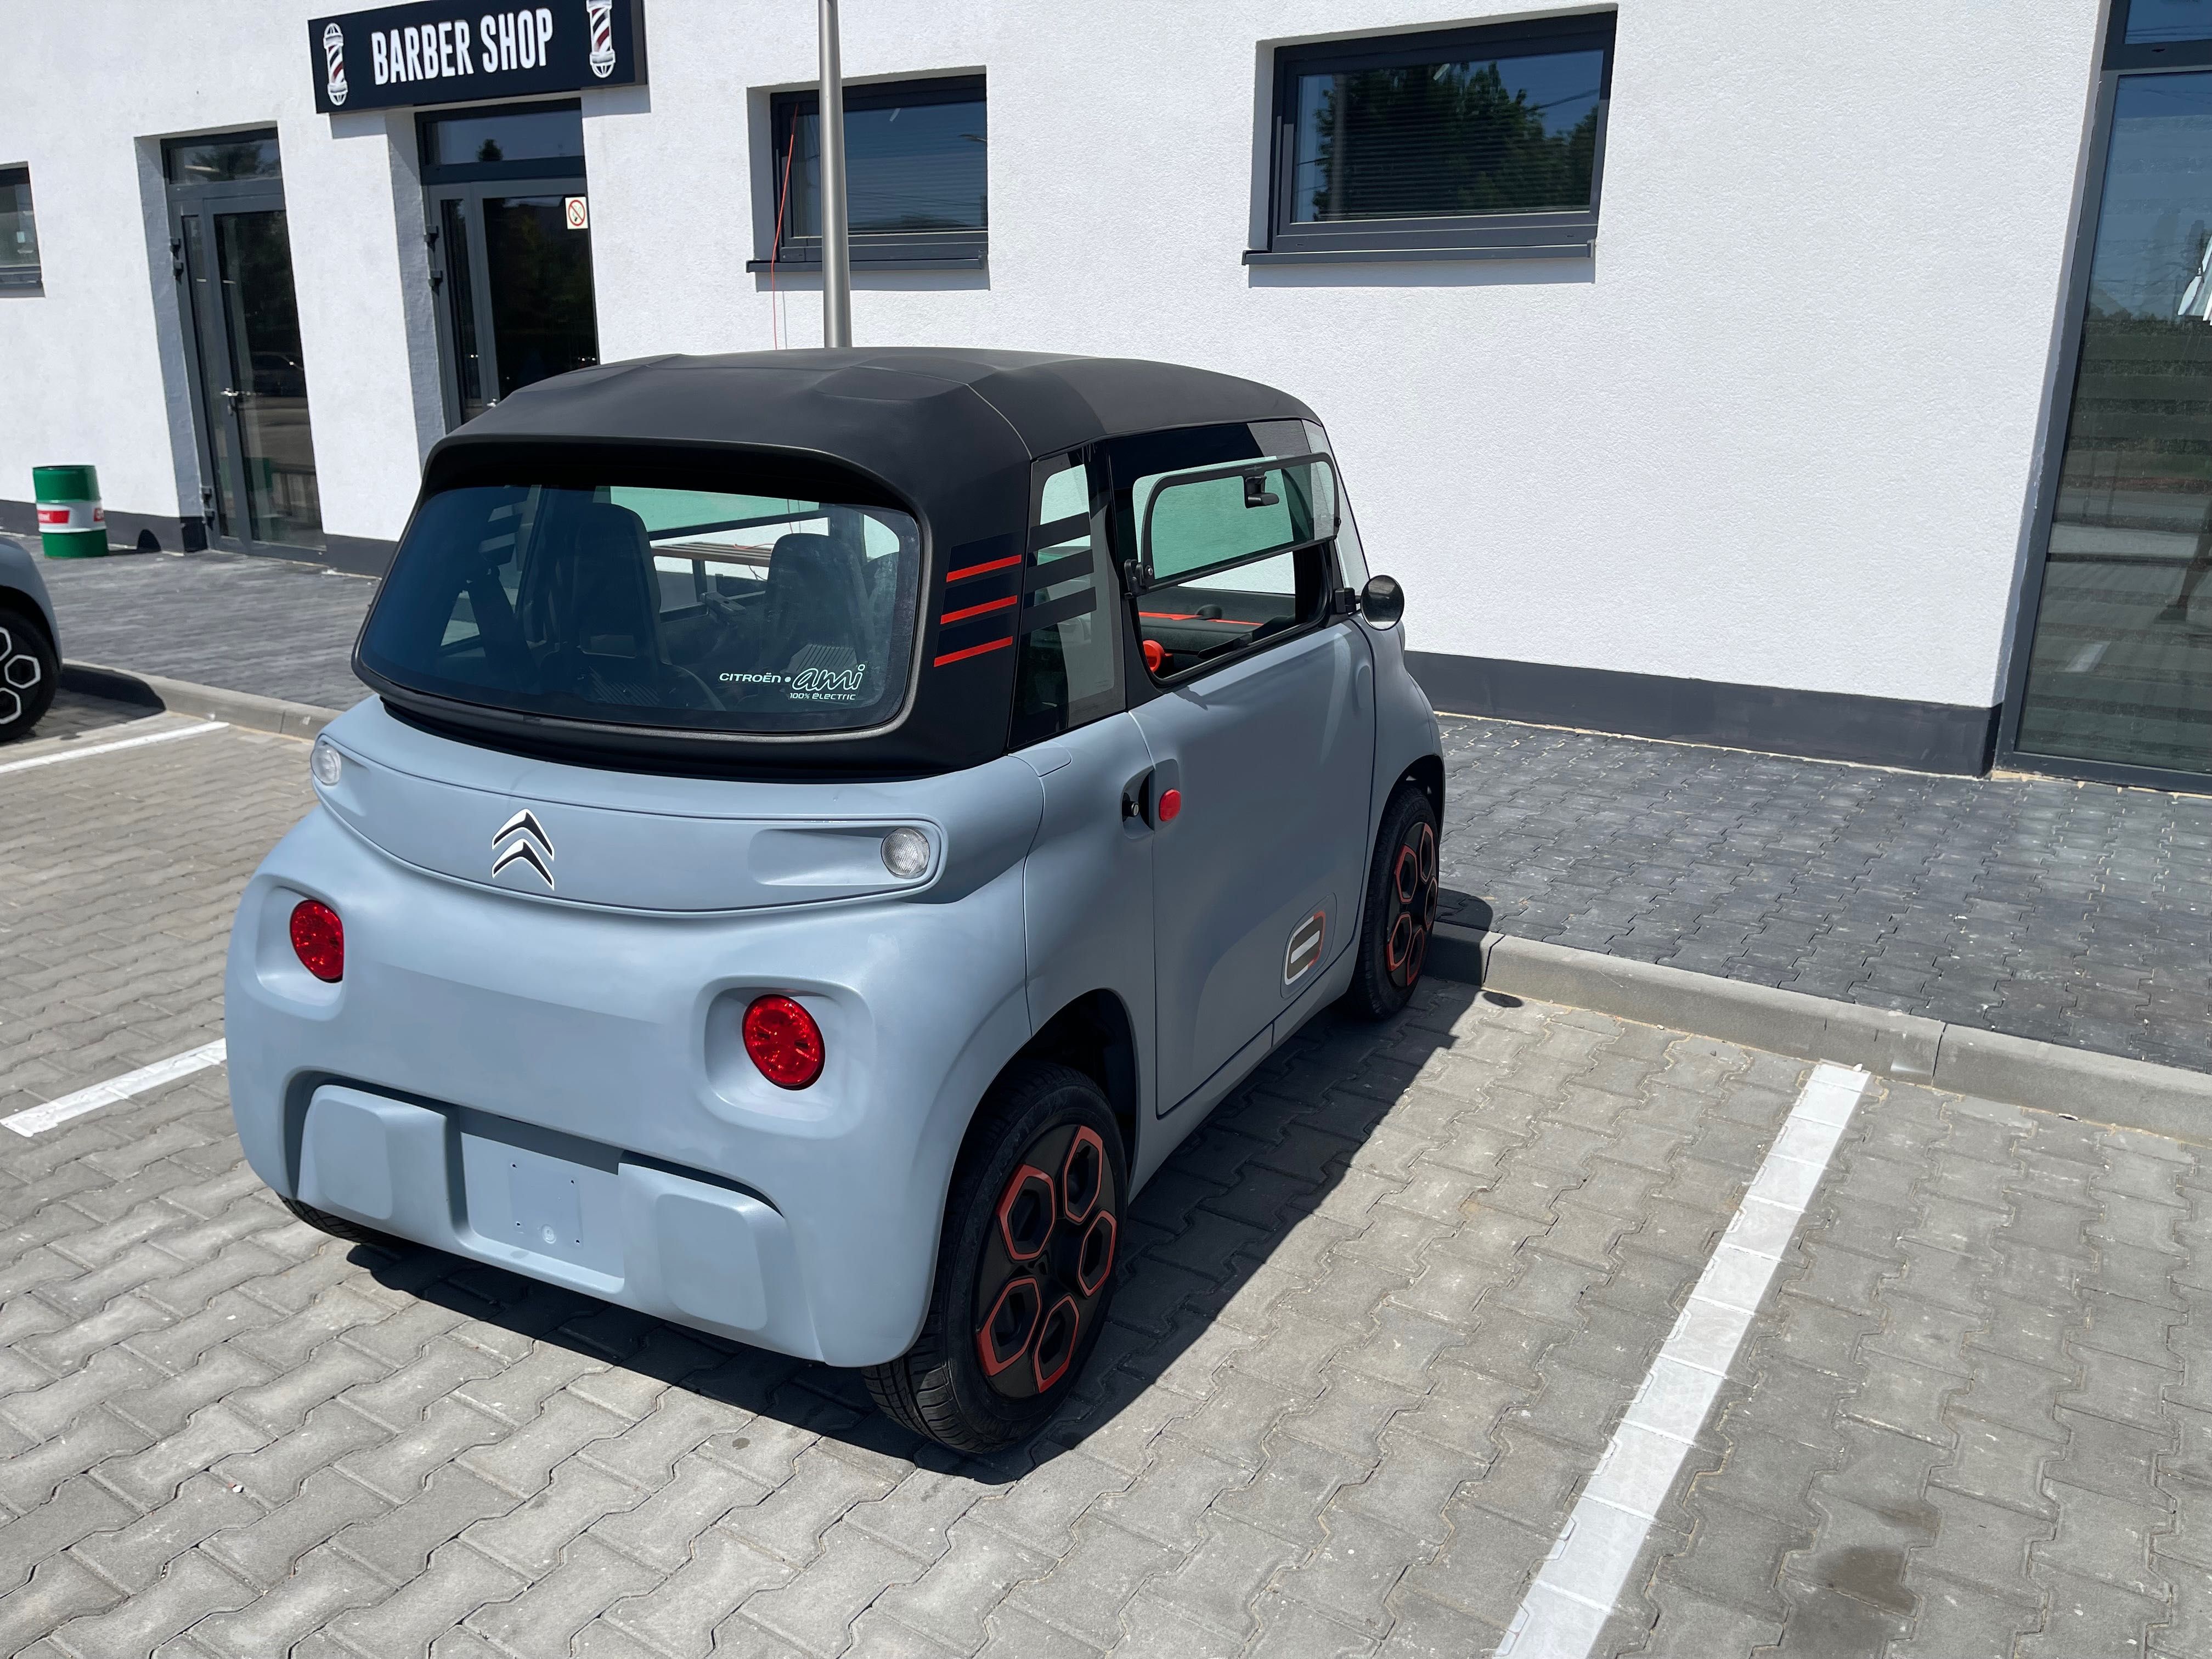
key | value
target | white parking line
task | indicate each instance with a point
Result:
(37, 1118)
(110, 748)
(1567, 1607)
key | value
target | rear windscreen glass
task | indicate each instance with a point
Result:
(652, 607)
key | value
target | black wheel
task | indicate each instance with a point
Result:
(338, 1227)
(1024, 1269)
(29, 672)
(1400, 913)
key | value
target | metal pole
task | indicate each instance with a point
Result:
(836, 242)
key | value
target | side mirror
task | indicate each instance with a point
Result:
(1382, 602)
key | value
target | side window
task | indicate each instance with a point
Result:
(1239, 539)
(1351, 556)
(1067, 674)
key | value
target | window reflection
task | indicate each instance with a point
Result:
(2154, 22)
(2120, 669)
(1492, 135)
(914, 163)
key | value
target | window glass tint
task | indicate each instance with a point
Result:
(2153, 22)
(1066, 673)
(222, 161)
(654, 606)
(1456, 135)
(1190, 523)
(914, 161)
(1223, 590)
(19, 232)
(538, 135)
(2120, 667)
(1351, 556)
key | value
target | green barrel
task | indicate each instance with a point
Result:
(71, 523)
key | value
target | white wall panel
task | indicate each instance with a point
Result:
(1780, 431)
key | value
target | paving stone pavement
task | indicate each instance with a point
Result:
(2071, 913)
(1377, 1323)
(73, 715)
(273, 627)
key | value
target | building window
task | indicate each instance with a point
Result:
(19, 232)
(1472, 142)
(2160, 22)
(914, 174)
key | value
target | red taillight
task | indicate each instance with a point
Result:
(319, 941)
(783, 1040)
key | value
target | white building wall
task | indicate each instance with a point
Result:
(1780, 431)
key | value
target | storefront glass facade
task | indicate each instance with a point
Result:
(2119, 663)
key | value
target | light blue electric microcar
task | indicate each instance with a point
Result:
(830, 823)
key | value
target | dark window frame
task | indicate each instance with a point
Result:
(930, 249)
(1569, 234)
(31, 278)
(470, 172)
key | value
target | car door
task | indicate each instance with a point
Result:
(1261, 733)
(1087, 895)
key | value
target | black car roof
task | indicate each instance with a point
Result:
(955, 434)
(834, 403)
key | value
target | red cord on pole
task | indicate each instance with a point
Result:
(776, 248)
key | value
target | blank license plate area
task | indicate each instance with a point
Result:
(537, 1201)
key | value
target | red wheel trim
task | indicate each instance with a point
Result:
(1021, 1178)
(1406, 855)
(1088, 1286)
(1427, 861)
(992, 1366)
(1083, 1137)
(1036, 1356)
(1395, 948)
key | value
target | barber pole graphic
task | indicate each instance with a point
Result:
(600, 22)
(334, 81)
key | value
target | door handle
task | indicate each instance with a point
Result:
(233, 394)
(1136, 798)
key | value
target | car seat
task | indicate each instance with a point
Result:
(815, 605)
(606, 614)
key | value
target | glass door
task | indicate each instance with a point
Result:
(514, 272)
(509, 226)
(2120, 663)
(241, 314)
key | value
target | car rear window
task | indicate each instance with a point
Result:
(652, 606)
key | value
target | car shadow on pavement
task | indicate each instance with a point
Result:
(1252, 1186)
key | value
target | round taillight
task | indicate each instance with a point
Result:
(319, 941)
(783, 1041)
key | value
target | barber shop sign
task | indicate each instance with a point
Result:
(447, 52)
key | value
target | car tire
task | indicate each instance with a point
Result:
(1400, 913)
(30, 673)
(1025, 1266)
(338, 1227)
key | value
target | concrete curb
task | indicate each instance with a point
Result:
(246, 708)
(2132, 1094)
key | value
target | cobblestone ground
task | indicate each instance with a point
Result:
(75, 716)
(2071, 913)
(268, 626)
(1378, 1322)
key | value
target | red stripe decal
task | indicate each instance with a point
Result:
(966, 571)
(972, 651)
(978, 609)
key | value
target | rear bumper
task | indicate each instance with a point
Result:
(493, 1066)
